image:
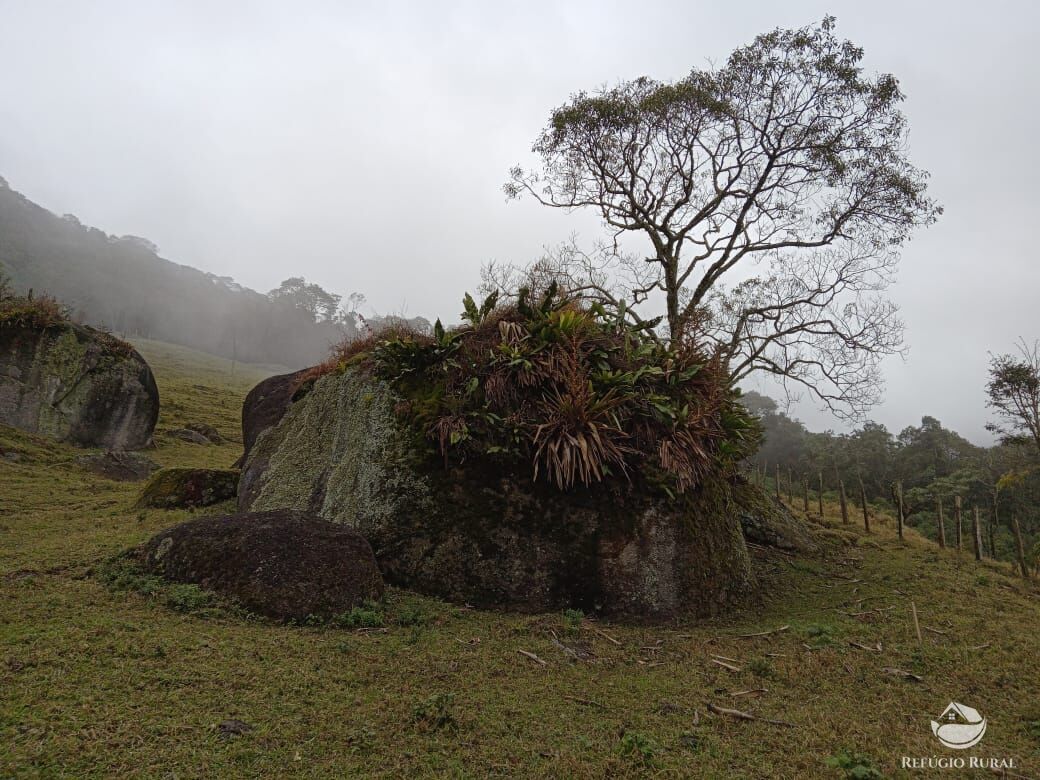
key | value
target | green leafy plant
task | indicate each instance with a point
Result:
(368, 615)
(855, 766)
(436, 713)
(638, 747)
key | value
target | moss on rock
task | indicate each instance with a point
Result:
(76, 384)
(179, 488)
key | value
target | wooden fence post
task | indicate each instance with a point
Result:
(960, 525)
(976, 533)
(863, 498)
(899, 508)
(844, 502)
(777, 486)
(1021, 547)
(805, 495)
(790, 488)
(942, 526)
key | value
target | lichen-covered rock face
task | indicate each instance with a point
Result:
(285, 565)
(184, 488)
(78, 385)
(476, 534)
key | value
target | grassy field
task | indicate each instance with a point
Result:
(99, 682)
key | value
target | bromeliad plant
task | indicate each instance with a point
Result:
(578, 393)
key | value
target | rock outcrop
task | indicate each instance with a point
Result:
(77, 385)
(185, 488)
(487, 536)
(285, 565)
(266, 404)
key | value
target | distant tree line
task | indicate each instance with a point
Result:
(929, 462)
(121, 284)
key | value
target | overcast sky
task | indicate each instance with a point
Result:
(364, 145)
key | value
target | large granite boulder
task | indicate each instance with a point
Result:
(77, 385)
(187, 488)
(267, 403)
(487, 535)
(285, 565)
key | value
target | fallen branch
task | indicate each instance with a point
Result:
(866, 647)
(608, 637)
(763, 633)
(725, 665)
(902, 673)
(936, 631)
(751, 692)
(532, 656)
(739, 715)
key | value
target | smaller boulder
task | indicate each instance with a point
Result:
(207, 432)
(188, 435)
(184, 488)
(282, 564)
(120, 466)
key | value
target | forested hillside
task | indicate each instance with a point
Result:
(122, 284)
(931, 464)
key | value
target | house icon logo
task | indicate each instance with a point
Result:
(959, 726)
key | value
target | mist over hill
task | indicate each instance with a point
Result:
(122, 284)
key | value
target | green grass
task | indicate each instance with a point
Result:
(131, 678)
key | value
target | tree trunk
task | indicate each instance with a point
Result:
(942, 526)
(960, 524)
(820, 495)
(899, 508)
(863, 498)
(844, 503)
(777, 486)
(1021, 547)
(976, 533)
(992, 528)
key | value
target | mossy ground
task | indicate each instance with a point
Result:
(103, 682)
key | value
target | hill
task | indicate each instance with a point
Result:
(122, 284)
(101, 682)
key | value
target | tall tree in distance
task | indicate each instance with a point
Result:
(1013, 393)
(322, 305)
(774, 194)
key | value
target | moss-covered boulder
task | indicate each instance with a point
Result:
(285, 565)
(185, 488)
(766, 521)
(76, 384)
(480, 534)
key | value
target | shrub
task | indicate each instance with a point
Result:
(638, 747)
(855, 766)
(369, 615)
(579, 394)
(30, 311)
(436, 713)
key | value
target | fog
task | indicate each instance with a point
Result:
(364, 145)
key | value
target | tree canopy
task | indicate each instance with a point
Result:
(774, 193)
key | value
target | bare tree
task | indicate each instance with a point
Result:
(787, 162)
(1013, 392)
